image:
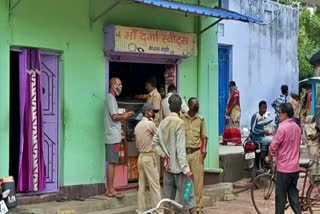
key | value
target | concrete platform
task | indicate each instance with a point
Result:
(102, 204)
(231, 160)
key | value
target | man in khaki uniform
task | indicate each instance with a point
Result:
(148, 173)
(196, 146)
(154, 98)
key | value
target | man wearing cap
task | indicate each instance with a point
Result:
(147, 163)
(154, 98)
(196, 146)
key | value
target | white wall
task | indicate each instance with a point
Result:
(264, 57)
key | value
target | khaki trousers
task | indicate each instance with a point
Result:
(197, 168)
(148, 175)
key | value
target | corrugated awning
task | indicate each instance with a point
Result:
(200, 10)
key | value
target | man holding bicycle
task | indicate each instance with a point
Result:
(286, 148)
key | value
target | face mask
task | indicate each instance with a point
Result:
(195, 109)
(118, 90)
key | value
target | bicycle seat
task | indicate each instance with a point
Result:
(305, 163)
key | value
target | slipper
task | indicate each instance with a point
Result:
(117, 195)
(77, 198)
(62, 199)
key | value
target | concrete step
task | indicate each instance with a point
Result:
(95, 203)
(207, 201)
(102, 204)
(123, 210)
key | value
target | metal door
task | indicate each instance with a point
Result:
(224, 71)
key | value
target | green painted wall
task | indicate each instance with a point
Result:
(64, 26)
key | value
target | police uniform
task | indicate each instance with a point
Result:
(195, 131)
(154, 98)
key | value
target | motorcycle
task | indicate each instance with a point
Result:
(255, 154)
(7, 194)
(3, 196)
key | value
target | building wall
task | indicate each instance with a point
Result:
(64, 26)
(264, 56)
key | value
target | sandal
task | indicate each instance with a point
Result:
(77, 198)
(62, 199)
(115, 195)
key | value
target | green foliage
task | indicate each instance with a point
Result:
(309, 40)
(305, 48)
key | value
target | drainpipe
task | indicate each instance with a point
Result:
(198, 30)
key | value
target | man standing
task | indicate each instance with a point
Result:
(169, 143)
(277, 102)
(165, 104)
(286, 147)
(112, 120)
(148, 173)
(258, 130)
(154, 98)
(196, 146)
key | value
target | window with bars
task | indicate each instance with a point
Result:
(224, 4)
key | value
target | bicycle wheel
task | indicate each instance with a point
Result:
(313, 198)
(263, 194)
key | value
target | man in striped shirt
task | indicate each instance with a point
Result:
(277, 102)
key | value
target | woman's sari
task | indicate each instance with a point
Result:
(232, 131)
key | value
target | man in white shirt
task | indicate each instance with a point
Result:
(165, 104)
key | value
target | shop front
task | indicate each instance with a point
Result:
(136, 55)
(174, 47)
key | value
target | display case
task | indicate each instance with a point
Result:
(131, 152)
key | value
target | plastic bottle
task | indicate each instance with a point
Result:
(187, 190)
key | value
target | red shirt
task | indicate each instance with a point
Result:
(286, 146)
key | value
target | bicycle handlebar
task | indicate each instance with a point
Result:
(159, 205)
(172, 202)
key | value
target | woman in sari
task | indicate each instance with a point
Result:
(232, 131)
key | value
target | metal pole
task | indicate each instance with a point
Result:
(105, 12)
(13, 6)
(213, 24)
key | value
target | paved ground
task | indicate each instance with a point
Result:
(243, 203)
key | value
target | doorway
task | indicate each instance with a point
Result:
(224, 60)
(14, 127)
(133, 96)
(50, 110)
(134, 76)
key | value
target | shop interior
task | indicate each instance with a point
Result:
(133, 77)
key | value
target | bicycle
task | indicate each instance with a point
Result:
(154, 210)
(309, 200)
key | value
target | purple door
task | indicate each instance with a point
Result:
(50, 86)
